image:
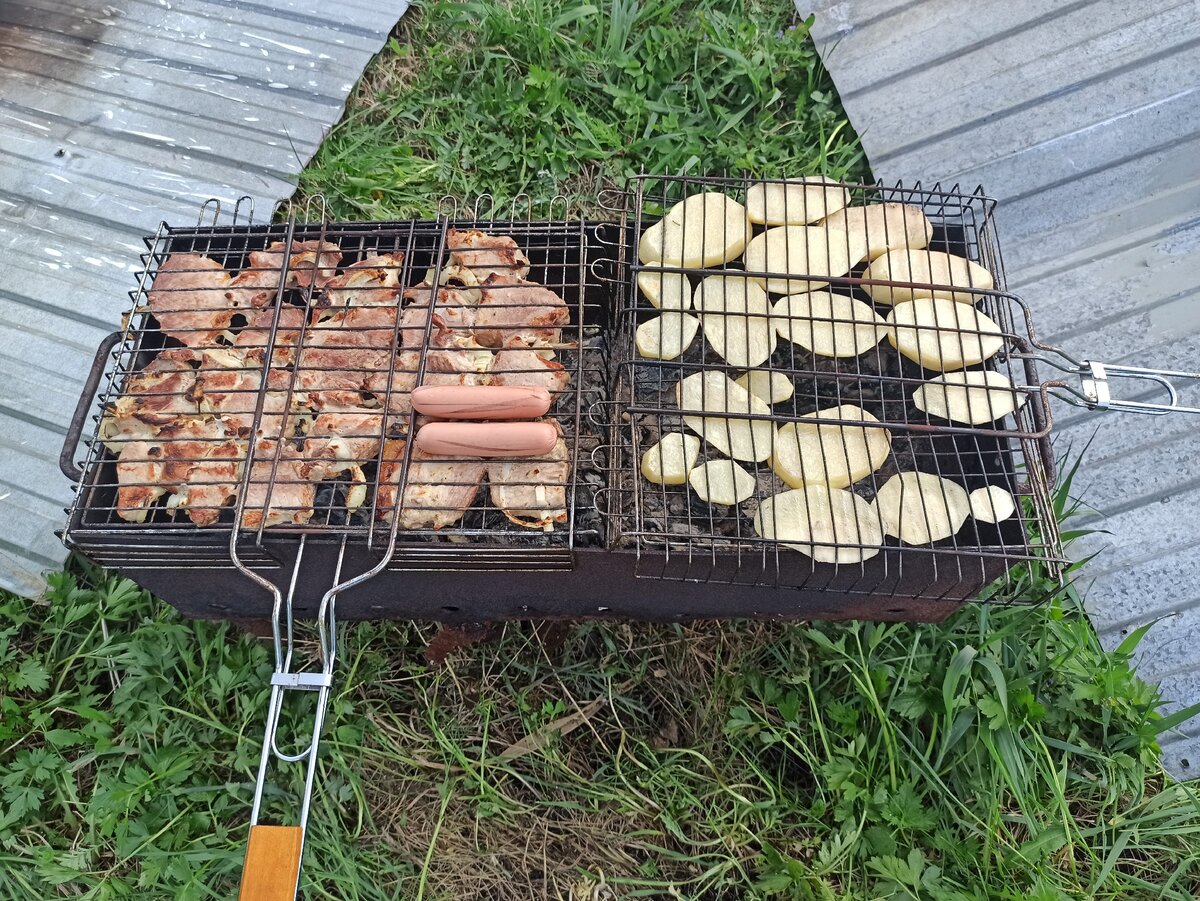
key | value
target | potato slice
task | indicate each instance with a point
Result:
(845, 526)
(810, 452)
(876, 228)
(721, 482)
(737, 319)
(829, 325)
(973, 397)
(669, 461)
(921, 508)
(667, 336)
(665, 290)
(714, 393)
(798, 250)
(794, 202)
(933, 267)
(992, 504)
(943, 335)
(703, 230)
(773, 387)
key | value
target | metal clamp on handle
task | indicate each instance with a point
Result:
(1094, 391)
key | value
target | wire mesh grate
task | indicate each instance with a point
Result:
(263, 386)
(825, 308)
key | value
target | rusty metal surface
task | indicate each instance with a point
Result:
(114, 117)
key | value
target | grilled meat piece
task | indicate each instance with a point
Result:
(253, 289)
(204, 460)
(309, 262)
(517, 313)
(485, 254)
(160, 394)
(253, 339)
(228, 386)
(374, 281)
(189, 299)
(141, 471)
(341, 354)
(279, 488)
(532, 493)
(394, 392)
(339, 439)
(529, 368)
(438, 493)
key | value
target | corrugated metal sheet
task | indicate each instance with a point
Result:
(1083, 118)
(113, 118)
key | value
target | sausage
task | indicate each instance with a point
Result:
(481, 401)
(487, 439)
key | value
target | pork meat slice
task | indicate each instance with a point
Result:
(532, 492)
(310, 263)
(204, 460)
(253, 289)
(161, 394)
(340, 355)
(529, 368)
(439, 490)
(288, 500)
(485, 254)
(514, 313)
(371, 282)
(393, 391)
(228, 385)
(189, 299)
(252, 341)
(340, 439)
(140, 479)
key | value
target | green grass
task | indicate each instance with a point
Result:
(565, 97)
(1001, 755)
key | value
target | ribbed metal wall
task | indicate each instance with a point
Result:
(1083, 119)
(114, 117)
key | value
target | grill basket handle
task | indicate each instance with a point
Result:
(66, 459)
(272, 868)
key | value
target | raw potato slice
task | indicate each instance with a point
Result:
(992, 504)
(810, 452)
(876, 228)
(943, 335)
(921, 508)
(829, 325)
(670, 460)
(722, 482)
(773, 387)
(714, 393)
(665, 290)
(703, 230)
(974, 397)
(737, 319)
(795, 202)
(804, 517)
(667, 336)
(929, 266)
(798, 250)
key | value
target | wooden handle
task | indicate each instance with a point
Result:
(272, 866)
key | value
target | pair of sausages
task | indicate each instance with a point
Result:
(484, 439)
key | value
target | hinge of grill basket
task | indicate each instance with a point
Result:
(1094, 391)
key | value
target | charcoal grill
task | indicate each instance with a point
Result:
(627, 548)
